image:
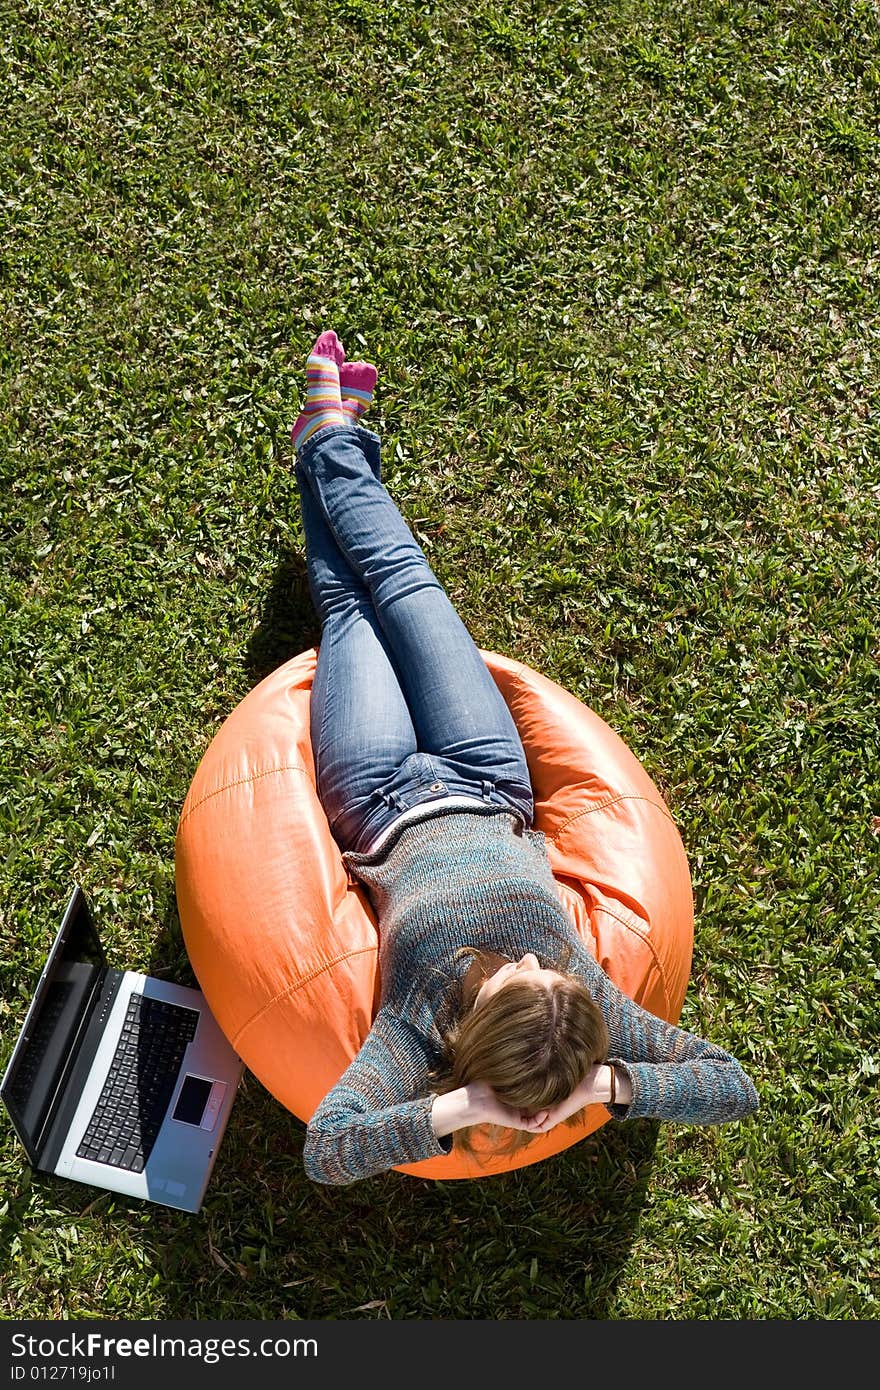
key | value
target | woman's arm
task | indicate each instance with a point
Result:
(369, 1122)
(668, 1074)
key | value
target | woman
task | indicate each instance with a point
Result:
(491, 1009)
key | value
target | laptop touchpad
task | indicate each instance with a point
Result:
(199, 1101)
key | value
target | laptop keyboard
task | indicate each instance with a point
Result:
(139, 1085)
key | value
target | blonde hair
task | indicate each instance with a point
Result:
(532, 1044)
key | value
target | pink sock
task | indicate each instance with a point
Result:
(357, 381)
(328, 345)
(323, 405)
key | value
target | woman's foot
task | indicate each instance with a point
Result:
(357, 381)
(323, 405)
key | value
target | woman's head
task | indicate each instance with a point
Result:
(527, 968)
(531, 1034)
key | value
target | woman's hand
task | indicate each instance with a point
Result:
(492, 1111)
(477, 1104)
(595, 1089)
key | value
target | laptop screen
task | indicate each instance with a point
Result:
(68, 987)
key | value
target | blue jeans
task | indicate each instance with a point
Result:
(404, 710)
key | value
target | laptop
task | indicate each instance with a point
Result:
(119, 1079)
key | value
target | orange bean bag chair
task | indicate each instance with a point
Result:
(284, 944)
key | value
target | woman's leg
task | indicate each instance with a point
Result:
(361, 729)
(459, 716)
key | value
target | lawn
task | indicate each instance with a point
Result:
(617, 265)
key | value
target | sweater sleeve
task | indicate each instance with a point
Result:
(674, 1075)
(379, 1112)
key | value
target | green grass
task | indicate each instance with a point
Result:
(617, 264)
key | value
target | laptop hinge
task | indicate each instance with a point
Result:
(70, 1091)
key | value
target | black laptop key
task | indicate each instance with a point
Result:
(135, 1096)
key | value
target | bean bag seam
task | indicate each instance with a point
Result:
(650, 945)
(297, 985)
(603, 806)
(240, 782)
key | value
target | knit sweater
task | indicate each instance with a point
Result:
(476, 878)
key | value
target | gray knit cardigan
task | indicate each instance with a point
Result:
(476, 878)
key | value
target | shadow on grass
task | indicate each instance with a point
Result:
(289, 624)
(288, 627)
(549, 1241)
(546, 1242)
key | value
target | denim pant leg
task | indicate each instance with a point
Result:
(361, 731)
(461, 721)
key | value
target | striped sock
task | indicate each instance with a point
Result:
(323, 405)
(357, 381)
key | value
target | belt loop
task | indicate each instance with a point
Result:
(488, 788)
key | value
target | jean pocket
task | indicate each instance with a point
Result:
(517, 794)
